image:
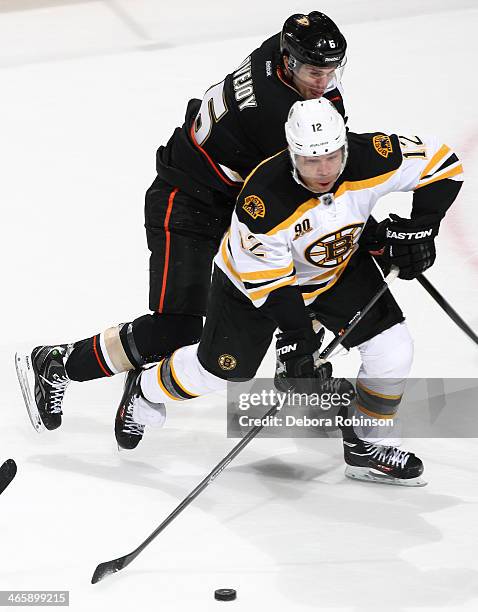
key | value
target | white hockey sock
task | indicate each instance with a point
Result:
(147, 413)
(179, 377)
(381, 381)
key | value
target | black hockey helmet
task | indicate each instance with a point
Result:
(313, 39)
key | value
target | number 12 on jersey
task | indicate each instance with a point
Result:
(412, 146)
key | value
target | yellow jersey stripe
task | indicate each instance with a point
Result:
(439, 155)
(307, 296)
(303, 208)
(376, 415)
(256, 168)
(333, 272)
(376, 393)
(364, 184)
(453, 172)
(160, 382)
(225, 256)
(176, 379)
(267, 274)
(257, 295)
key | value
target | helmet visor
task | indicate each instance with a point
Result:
(316, 80)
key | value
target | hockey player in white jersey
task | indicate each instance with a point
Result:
(293, 246)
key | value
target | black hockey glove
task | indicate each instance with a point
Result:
(372, 237)
(295, 362)
(406, 243)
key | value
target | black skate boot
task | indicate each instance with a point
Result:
(43, 372)
(385, 464)
(129, 432)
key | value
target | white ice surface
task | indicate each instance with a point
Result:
(86, 97)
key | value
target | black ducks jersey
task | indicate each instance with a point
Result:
(239, 122)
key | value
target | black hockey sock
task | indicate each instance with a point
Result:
(86, 361)
(157, 335)
(145, 340)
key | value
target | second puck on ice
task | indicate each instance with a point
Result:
(225, 594)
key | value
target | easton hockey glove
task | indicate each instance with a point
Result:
(410, 244)
(406, 243)
(295, 362)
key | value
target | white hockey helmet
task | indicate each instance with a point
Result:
(315, 127)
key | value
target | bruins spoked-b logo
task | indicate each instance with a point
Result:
(383, 145)
(227, 362)
(332, 249)
(254, 206)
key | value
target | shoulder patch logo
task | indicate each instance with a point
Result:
(383, 145)
(303, 21)
(254, 206)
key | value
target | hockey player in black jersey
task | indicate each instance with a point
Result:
(293, 242)
(200, 171)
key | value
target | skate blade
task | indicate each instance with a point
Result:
(26, 379)
(367, 475)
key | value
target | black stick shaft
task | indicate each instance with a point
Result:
(440, 300)
(252, 433)
(359, 315)
(450, 311)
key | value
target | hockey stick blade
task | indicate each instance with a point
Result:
(107, 568)
(8, 472)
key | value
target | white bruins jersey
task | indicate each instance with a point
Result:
(281, 234)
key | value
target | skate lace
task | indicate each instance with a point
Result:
(130, 426)
(58, 385)
(390, 455)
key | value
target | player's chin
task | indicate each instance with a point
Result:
(323, 187)
(313, 94)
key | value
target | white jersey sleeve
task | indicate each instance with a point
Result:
(425, 161)
(258, 263)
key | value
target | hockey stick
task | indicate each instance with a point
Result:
(440, 300)
(451, 312)
(8, 471)
(359, 315)
(110, 567)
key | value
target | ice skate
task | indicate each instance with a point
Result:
(384, 464)
(43, 381)
(135, 412)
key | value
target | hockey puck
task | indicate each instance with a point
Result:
(225, 594)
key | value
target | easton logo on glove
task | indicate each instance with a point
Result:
(409, 243)
(400, 230)
(410, 235)
(286, 349)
